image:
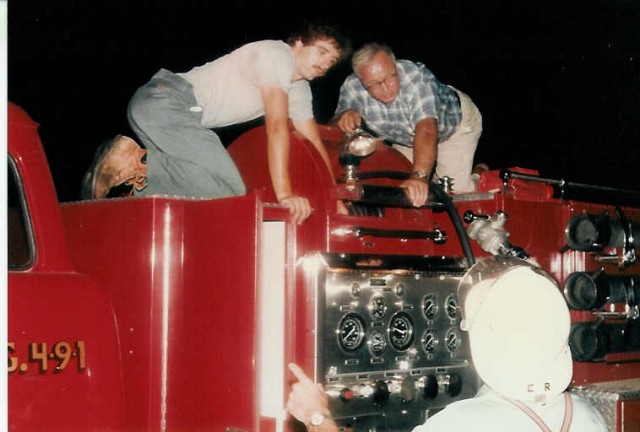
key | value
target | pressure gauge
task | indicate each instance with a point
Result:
(378, 307)
(377, 342)
(351, 332)
(429, 341)
(452, 306)
(453, 340)
(430, 307)
(401, 331)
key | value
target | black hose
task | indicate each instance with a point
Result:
(441, 195)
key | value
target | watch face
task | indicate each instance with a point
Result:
(317, 419)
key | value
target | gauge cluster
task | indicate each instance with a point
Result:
(392, 320)
(391, 343)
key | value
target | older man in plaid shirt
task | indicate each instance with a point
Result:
(435, 125)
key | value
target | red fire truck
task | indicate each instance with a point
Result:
(180, 314)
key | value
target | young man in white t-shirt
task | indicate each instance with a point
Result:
(174, 113)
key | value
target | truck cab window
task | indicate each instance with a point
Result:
(19, 239)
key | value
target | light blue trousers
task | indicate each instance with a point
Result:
(184, 158)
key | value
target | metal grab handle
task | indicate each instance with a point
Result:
(392, 196)
(393, 175)
(438, 236)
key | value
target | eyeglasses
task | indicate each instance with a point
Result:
(386, 82)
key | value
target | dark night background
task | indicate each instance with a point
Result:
(558, 83)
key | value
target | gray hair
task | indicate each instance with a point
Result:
(367, 52)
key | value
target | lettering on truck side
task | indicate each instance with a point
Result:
(55, 357)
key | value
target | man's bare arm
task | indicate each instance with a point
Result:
(425, 148)
(276, 109)
(309, 128)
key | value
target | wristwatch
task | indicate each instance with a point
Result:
(422, 175)
(317, 419)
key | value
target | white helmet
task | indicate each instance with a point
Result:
(518, 324)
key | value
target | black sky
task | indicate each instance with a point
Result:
(558, 83)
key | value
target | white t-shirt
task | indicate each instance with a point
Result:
(489, 412)
(228, 88)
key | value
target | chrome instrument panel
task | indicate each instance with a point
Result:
(389, 343)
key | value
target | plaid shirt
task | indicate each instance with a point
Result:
(421, 96)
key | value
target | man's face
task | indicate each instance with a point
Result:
(314, 60)
(380, 78)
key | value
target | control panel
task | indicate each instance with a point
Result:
(391, 350)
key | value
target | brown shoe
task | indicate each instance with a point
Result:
(117, 161)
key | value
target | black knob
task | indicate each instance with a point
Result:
(430, 390)
(380, 393)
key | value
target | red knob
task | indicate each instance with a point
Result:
(346, 394)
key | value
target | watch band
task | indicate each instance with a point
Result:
(422, 175)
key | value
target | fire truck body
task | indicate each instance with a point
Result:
(587, 246)
(169, 329)
(54, 310)
(175, 313)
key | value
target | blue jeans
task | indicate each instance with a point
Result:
(184, 158)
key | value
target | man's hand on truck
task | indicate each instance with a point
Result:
(309, 403)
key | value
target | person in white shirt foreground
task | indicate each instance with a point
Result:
(518, 324)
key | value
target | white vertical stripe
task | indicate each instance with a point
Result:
(271, 309)
(166, 291)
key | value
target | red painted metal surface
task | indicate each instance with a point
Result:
(182, 277)
(53, 309)
(63, 349)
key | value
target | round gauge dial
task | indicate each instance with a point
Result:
(452, 306)
(378, 307)
(401, 331)
(377, 342)
(430, 307)
(350, 332)
(429, 341)
(453, 339)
